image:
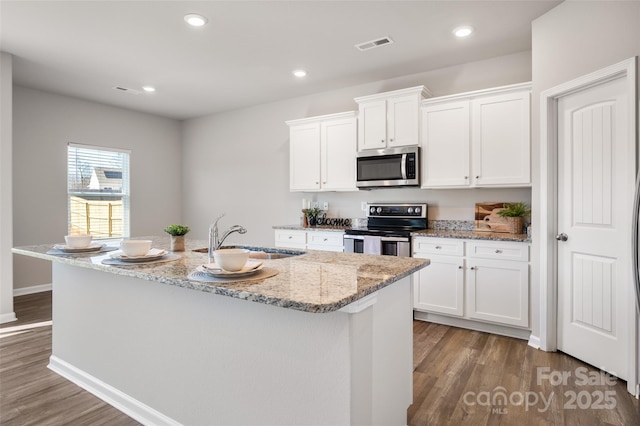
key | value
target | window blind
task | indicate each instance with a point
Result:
(98, 191)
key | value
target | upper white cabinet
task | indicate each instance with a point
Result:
(477, 139)
(322, 153)
(390, 119)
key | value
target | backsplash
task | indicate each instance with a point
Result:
(451, 225)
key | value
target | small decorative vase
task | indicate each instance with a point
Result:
(177, 243)
(313, 221)
(516, 224)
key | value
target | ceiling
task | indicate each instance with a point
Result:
(246, 53)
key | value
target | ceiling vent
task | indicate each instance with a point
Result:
(126, 90)
(368, 45)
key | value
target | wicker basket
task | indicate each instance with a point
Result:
(516, 224)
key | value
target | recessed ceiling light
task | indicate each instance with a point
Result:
(195, 20)
(300, 73)
(463, 31)
(149, 89)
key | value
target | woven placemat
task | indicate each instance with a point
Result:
(260, 275)
(82, 253)
(117, 262)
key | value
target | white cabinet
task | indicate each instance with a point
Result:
(322, 153)
(327, 241)
(294, 239)
(478, 280)
(477, 139)
(446, 145)
(440, 286)
(390, 119)
(311, 240)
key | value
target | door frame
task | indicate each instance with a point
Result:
(548, 227)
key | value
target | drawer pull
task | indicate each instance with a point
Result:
(438, 247)
(498, 251)
(290, 236)
(326, 239)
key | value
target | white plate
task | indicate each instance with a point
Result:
(67, 249)
(153, 254)
(251, 267)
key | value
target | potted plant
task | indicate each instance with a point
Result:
(515, 214)
(177, 233)
(312, 215)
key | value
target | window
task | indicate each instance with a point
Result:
(98, 191)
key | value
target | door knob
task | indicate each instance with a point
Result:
(562, 237)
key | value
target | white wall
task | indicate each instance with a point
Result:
(238, 162)
(571, 40)
(43, 125)
(6, 220)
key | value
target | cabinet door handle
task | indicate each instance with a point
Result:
(498, 251)
(290, 236)
(473, 268)
(382, 141)
(466, 177)
(460, 267)
(477, 177)
(391, 140)
(326, 239)
(324, 182)
(438, 247)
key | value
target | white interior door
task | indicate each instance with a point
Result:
(596, 169)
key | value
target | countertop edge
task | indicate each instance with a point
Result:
(74, 260)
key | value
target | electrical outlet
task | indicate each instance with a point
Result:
(325, 206)
(363, 206)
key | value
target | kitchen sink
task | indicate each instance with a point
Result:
(259, 253)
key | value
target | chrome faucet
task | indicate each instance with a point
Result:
(215, 241)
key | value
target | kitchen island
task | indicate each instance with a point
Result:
(327, 340)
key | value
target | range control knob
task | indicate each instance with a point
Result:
(417, 210)
(410, 210)
(372, 210)
(379, 210)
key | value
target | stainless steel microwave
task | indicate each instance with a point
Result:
(388, 167)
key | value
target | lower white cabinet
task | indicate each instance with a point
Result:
(328, 241)
(486, 281)
(286, 238)
(311, 240)
(440, 287)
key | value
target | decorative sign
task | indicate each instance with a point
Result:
(334, 221)
(487, 219)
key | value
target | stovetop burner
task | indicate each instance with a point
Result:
(386, 219)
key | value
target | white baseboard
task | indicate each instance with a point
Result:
(502, 330)
(11, 316)
(30, 290)
(534, 341)
(112, 396)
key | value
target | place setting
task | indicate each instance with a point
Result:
(231, 265)
(135, 252)
(80, 244)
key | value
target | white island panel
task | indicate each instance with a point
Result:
(168, 354)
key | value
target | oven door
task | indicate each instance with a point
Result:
(369, 244)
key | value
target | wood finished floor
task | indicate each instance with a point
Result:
(454, 371)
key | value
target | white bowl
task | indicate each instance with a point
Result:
(135, 247)
(231, 260)
(78, 241)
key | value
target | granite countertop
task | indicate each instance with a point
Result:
(472, 235)
(312, 228)
(439, 233)
(316, 281)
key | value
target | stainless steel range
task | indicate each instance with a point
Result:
(388, 230)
